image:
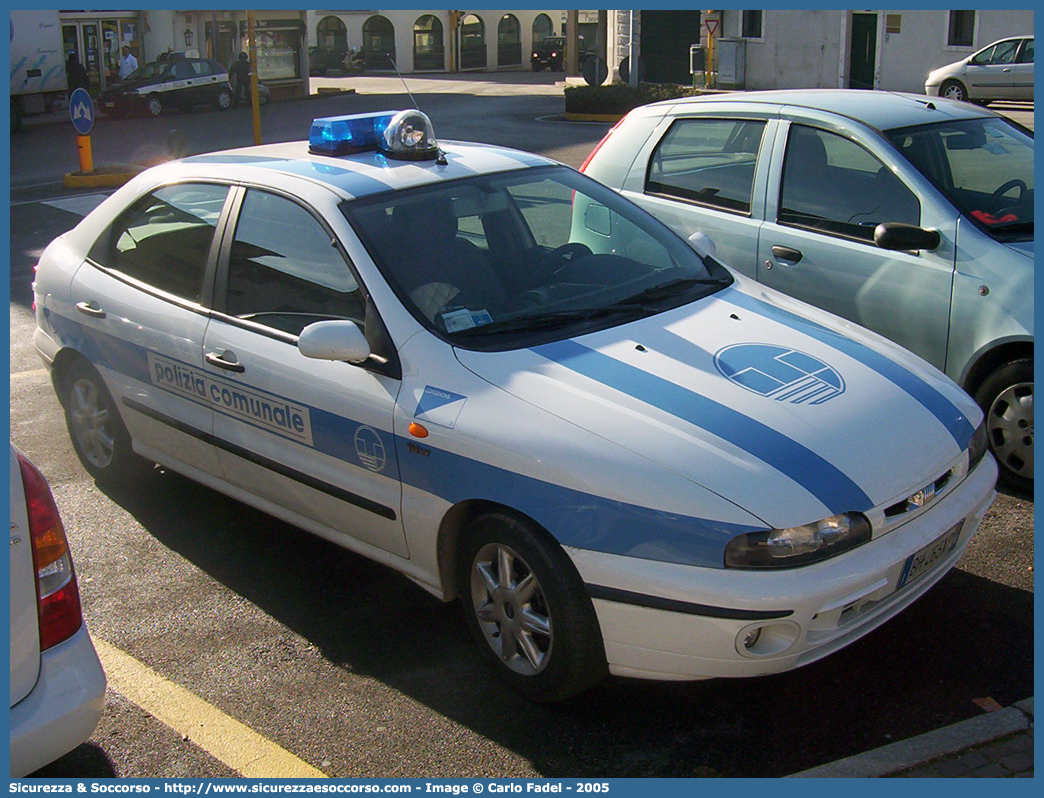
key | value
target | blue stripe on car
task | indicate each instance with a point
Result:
(576, 518)
(819, 477)
(955, 422)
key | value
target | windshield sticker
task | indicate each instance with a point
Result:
(464, 319)
(439, 406)
(780, 373)
(268, 411)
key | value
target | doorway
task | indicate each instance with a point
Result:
(862, 53)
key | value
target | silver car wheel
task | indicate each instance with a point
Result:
(953, 90)
(1010, 427)
(91, 423)
(511, 609)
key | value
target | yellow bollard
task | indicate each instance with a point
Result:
(83, 144)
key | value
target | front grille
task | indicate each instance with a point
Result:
(906, 505)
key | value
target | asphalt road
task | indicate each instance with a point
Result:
(358, 672)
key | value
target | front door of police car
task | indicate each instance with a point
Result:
(311, 437)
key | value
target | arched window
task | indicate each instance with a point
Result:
(378, 43)
(472, 43)
(542, 28)
(428, 51)
(509, 41)
(332, 34)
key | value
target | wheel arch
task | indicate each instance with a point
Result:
(991, 360)
(63, 361)
(453, 529)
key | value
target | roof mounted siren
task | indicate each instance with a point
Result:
(402, 135)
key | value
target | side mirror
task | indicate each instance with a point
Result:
(905, 237)
(334, 340)
(702, 244)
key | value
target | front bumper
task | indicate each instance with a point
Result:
(668, 621)
(63, 708)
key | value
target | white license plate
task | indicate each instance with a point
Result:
(926, 559)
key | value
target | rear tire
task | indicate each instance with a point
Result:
(1006, 397)
(528, 611)
(98, 434)
(224, 99)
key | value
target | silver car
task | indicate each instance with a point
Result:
(908, 215)
(1002, 70)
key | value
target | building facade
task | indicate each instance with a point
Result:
(822, 48)
(419, 40)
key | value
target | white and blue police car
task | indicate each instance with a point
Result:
(493, 374)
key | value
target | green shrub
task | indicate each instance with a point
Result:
(619, 98)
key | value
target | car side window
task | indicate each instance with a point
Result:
(1026, 53)
(284, 270)
(202, 68)
(164, 238)
(707, 161)
(835, 186)
(183, 71)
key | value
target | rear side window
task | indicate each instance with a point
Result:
(835, 186)
(707, 161)
(164, 238)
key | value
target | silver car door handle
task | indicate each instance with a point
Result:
(90, 309)
(788, 254)
(220, 361)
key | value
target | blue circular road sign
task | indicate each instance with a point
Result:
(81, 111)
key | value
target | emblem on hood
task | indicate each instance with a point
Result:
(779, 373)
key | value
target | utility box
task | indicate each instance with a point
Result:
(731, 55)
(697, 59)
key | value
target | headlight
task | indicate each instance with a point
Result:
(798, 545)
(978, 446)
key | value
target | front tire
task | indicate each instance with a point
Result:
(98, 434)
(1006, 397)
(953, 90)
(528, 611)
(154, 105)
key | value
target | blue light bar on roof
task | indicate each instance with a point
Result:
(404, 135)
(340, 135)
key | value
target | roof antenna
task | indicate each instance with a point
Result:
(441, 160)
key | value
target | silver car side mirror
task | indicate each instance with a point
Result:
(702, 243)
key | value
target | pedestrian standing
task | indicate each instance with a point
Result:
(76, 74)
(239, 74)
(128, 63)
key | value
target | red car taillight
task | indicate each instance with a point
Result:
(598, 146)
(58, 596)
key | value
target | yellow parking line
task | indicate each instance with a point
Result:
(20, 375)
(221, 736)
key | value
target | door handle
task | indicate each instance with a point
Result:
(90, 309)
(222, 362)
(786, 253)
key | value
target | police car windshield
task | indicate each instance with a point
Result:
(502, 261)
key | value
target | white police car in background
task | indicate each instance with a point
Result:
(504, 380)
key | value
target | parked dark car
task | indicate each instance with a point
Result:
(323, 59)
(550, 52)
(176, 82)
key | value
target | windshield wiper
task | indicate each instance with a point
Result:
(550, 321)
(673, 288)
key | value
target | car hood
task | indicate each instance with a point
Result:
(792, 417)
